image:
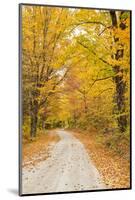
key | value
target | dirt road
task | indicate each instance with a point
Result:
(68, 169)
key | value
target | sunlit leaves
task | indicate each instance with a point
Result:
(69, 57)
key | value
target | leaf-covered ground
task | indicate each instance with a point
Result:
(39, 149)
(114, 168)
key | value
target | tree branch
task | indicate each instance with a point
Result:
(104, 61)
(53, 88)
(108, 27)
(90, 22)
(87, 22)
(100, 79)
(104, 91)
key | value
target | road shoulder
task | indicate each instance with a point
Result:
(114, 169)
(40, 149)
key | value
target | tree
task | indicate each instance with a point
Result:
(41, 42)
(119, 70)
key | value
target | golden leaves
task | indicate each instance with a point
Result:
(84, 44)
(113, 167)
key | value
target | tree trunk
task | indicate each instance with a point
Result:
(120, 100)
(34, 118)
(43, 120)
(85, 104)
(118, 79)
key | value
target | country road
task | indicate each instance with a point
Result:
(67, 169)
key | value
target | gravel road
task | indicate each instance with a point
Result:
(67, 169)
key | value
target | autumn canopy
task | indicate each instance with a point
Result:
(75, 69)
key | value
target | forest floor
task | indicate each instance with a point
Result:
(114, 168)
(38, 149)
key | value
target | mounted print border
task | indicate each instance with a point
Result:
(74, 99)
